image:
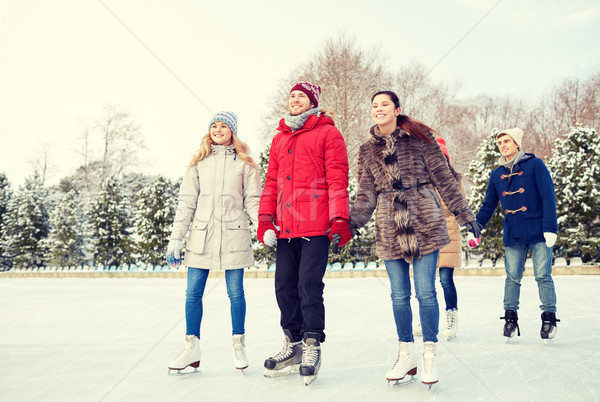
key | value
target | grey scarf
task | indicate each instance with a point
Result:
(510, 164)
(297, 122)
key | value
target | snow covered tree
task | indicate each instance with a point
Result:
(109, 224)
(575, 170)
(26, 224)
(5, 195)
(154, 216)
(65, 241)
(479, 171)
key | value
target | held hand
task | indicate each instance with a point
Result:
(550, 239)
(474, 227)
(174, 253)
(265, 223)
(340, 233)
(473, 241)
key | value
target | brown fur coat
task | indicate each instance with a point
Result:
(398, 175)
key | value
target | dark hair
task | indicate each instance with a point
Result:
(413, 127)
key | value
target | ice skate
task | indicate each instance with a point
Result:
(429, 371)
(238, 351)
(189, 357)
(311, 357)
(287, 361)
(451, 324)
(511, 325)
(405, 364)
(418, 331)
(548, 331)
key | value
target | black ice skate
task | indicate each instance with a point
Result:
(511, 324)
(311, 357)
(287, 361)
(548, 331)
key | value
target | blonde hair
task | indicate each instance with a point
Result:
(240, 148)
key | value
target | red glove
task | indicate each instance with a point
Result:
(341, 228)
(265, 222)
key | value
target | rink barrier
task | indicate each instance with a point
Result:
(336, 270)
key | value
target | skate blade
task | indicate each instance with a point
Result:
(402, 382)
(284, 372)
(430, 385)
(548, 342)
(309, 379)
(181, 373)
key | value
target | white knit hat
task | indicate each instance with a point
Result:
(515, 133)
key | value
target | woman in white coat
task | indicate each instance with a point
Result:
(221, 181)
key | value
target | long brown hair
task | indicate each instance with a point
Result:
(413, 127)
(241, 149)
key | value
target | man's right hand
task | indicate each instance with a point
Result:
(267, 233)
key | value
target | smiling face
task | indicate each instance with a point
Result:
(507, 146)
(384, 113)
(220, 133)
(299, 103)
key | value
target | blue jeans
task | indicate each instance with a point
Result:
(447, 281)
(196, 282)
(514, 263)
(424, 277)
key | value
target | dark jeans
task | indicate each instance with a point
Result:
(300, 267)
(447, 281)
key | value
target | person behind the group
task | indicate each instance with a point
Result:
(305, 197)
(400, 166)
(220, 182)
(525, 190)
(450, 257)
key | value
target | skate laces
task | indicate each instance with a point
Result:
(428, 359)
(286, 351)
(310, 354)
(449, 319)
(240, 351)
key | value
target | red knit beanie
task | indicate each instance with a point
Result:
(313, 91)
(442, 143)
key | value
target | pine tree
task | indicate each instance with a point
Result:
(5, 195)
(65, 241)
(575, 171)
(109, 225)
(26, 224)
(155, 212)
(362, 246)
(479, 171)
(262, 253)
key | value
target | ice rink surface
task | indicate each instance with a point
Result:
(75, 339)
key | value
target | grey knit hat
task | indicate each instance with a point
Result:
(228, 118)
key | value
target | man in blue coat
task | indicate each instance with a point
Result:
(525, 190)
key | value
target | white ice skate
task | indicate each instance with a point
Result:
(287, 361)
(405, 364)
(429, 371)
(238, 351)
(451, 324)
(189, 357)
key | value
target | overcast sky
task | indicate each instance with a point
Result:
(170, 62)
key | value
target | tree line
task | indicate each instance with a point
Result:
(108, 213)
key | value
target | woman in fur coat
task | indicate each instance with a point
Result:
(220, 183)
(400, 167)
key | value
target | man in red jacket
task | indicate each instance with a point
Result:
(304, 205)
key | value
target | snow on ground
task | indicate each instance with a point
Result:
(110, 339)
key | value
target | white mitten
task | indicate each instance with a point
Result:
(270, 238)
(473, 241)
(550, 238)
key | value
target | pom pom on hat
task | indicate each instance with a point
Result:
(515, 133)
(228, 118)
(313, 91)
(442, 143)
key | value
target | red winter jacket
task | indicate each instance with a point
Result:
(307, 179)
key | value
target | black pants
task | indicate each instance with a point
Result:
(300, 267)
